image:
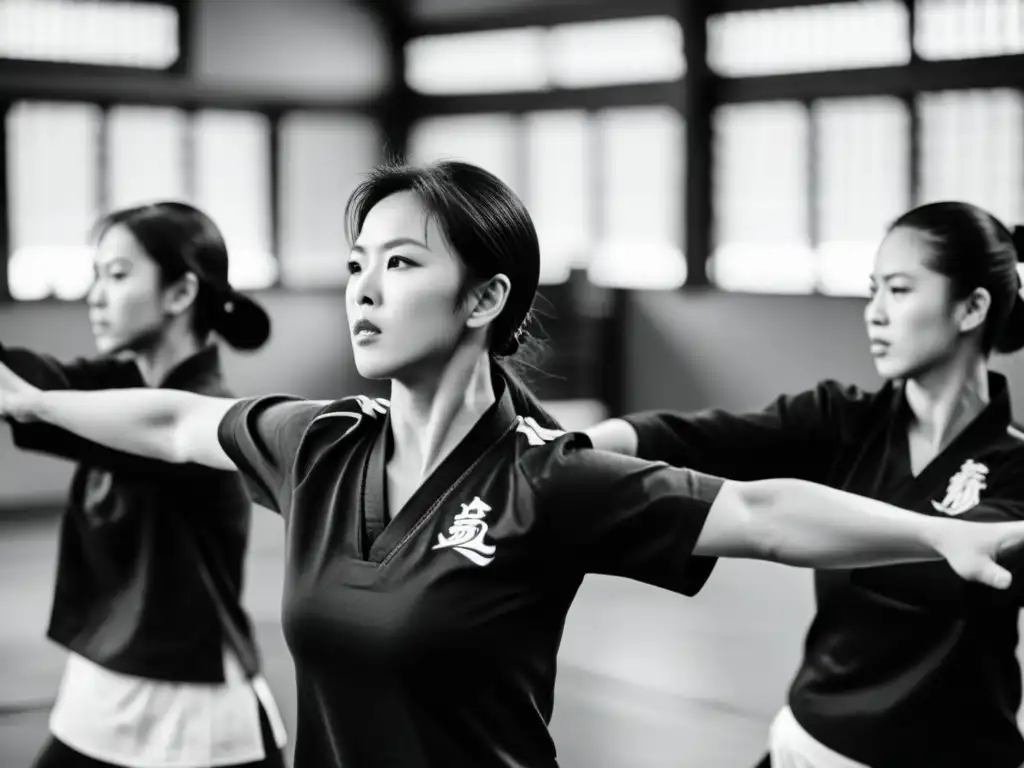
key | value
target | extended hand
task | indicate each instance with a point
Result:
(971, 549)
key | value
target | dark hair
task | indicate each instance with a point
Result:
(182, 239)
(488, 226)
(975, 250)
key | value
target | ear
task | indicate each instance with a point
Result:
(487, 300)
(181, 294)
(972, 311)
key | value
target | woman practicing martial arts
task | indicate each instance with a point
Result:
(435, 541)
(162, 670)
(904, 665)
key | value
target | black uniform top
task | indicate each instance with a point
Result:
(904, 665)
(435, 645)
(149, 571)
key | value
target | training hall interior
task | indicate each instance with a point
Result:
(709, 181)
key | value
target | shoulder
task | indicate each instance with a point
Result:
(847, 407)
(542, 453)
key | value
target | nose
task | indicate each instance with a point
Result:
(875, 312)
(365, 287)
(96, 296)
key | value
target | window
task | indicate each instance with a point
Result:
(146, 155)
(612, 52)
(232, 185)
(863, 185)
(760, 171)
(559, 190)
(642, 201)
(963, 29)
(490, 141)
(972, 149)
(130, 34)
(314, 249)
(815, 37)
(53, 180)
(477, 62)
(642, 50)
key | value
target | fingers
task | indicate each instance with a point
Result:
(994, 575)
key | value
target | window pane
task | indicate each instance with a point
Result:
(642, 206)
(863, 185)
(313, 246)
(489, 141)
(760, 179)
(146, 155)
(131, 34)
(972, 149)
(52, 156)
(648, 49)
(232, 185)
(808, 38)
(559, 190)
(962, 29)
(478, 62)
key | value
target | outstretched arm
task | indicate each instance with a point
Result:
(168, 425)
(804, 524)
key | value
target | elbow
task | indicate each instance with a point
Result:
(760, 505)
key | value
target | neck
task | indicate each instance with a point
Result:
(159, 359)
(431, 416)
(945, 400)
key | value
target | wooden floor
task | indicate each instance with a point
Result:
(647, 679)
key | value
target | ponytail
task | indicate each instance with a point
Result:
(1011, 337)
(523, 400)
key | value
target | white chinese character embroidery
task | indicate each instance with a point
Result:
(964, 489)
(466, 534)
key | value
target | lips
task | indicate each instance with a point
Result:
(364, 328)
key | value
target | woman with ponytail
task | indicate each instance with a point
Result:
(909, 665)
(162, 668)
(435, 540)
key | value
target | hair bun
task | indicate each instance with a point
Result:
(510, 347)
(1018, 241)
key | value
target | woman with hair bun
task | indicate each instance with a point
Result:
(905, 665)
(162, 669)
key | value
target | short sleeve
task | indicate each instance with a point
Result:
(48, 373)
(262, 437)
(626, 517)
(795, 436)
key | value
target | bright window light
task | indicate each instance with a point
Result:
(832, 36)
(963, 29)
(760, 193)
(641, 152)
(130, 34)
(52, 166)
(487, 140)
(646, 49)
(232, 185)
(560, 180)
(146, 155)
(863, 185)
(478, 62)
(314, 250)
(972, 149)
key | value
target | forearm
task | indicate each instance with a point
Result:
(800, 523)
(137, 421)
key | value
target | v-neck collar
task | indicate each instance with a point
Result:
(494, 423)
(994, 418)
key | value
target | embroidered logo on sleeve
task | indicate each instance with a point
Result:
(964, 489)
(466, 534)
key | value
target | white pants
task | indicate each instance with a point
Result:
(793, 747)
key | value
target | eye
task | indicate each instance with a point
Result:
(899, 289)
(353, 267)
(394, 262)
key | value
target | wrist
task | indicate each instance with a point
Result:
(937, 533)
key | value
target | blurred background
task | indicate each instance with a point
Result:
(709, 179)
